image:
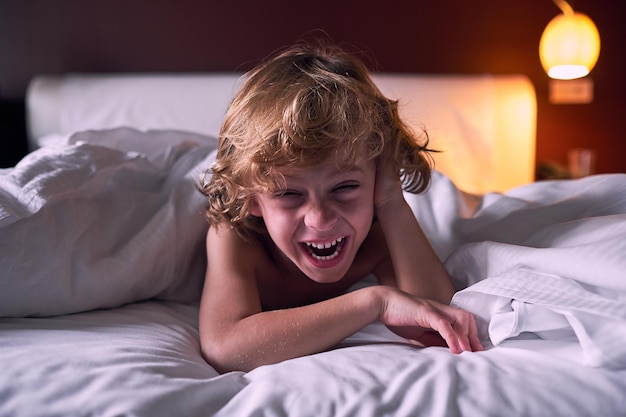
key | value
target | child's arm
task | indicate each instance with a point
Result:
(235, 333)
(416, 267)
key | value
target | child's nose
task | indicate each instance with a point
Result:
(320, 217)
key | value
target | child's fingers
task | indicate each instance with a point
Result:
(475, 342)
(460, 333)
(467, 328)
(445, 328)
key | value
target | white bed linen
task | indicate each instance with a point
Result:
(554, 265)
(143, 358)
(106, 218)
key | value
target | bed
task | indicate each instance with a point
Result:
(102, 261)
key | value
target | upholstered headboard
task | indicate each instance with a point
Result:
(483, 124)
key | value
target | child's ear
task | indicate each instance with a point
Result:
(254, 208)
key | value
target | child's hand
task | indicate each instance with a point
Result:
(388, 186)
(416, 318)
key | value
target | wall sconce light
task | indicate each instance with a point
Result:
(569, 49)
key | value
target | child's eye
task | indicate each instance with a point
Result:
(346, 187)
(287, 194)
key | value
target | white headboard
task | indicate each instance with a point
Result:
(483, 124)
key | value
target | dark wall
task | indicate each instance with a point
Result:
(424, 36)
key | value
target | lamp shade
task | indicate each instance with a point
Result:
(569, 46)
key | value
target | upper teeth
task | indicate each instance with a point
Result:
(324, 245)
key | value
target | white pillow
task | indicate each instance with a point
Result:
(106, 218)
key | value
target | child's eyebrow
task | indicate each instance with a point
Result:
(349, 169)
(341, 170)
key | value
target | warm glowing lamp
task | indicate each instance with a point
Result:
(570, 44)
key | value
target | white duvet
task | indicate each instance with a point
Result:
(101, 262)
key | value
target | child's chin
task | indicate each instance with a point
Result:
(328, 278)
(327, 275)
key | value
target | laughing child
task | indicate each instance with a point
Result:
(304, 201)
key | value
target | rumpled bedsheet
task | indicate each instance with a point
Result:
(112, 217)
(549, 262)
(101, 219)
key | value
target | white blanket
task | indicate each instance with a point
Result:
(143, 359)
(555, 267)
(91, 225)
(104, 219)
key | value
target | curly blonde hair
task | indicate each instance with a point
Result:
(300, 108)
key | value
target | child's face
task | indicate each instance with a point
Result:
(321, 217)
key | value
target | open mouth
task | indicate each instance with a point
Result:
(325, 251)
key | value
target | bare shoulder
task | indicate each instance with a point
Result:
(230, 288)
(224, 243)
